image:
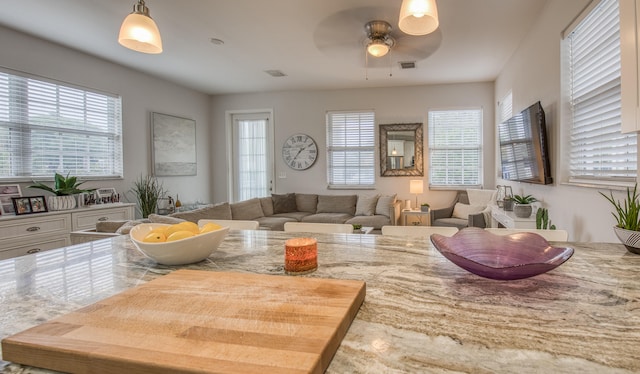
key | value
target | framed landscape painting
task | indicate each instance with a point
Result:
(174, 145)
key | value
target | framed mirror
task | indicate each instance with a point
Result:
(401, 150)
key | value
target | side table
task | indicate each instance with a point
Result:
(416, 218)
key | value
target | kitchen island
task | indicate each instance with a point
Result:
(421, 314)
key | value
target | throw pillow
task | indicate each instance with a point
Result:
(463, 210)
(124, 229)
(267, 205)
(156, 218)
(218, 211)
(366, 205)
(247, 210)
(284, 203)
(384, 204)
(337, 204)
(306, 202)
(481, 197)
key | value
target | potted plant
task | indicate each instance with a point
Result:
(147, 190)
(64, 189)
(424, 207)
(542, 220)
(627, 214)
(522, 207)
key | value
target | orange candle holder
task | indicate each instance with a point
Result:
(300, 255)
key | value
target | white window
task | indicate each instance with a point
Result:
(599, 152)
(505, 107)
(455, 148)
(48, 127)
(351, 149)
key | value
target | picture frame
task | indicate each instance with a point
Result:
(38, 204)
(21, 205)
(7, 192)
(173, 150)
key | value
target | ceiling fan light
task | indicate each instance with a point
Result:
(377, 48)
(418, 17)
(139, 32)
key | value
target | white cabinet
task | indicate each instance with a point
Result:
(38, 232)
(509, 219)
(86, 218)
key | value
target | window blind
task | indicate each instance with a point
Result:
(455, 148)
(252, 170)
(598, 150)
(48, 127)
(350, 149)
(505, 108)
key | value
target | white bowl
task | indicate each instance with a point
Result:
(179, 252)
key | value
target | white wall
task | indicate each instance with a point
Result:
(141, 95)
(533, 73)
(304, 111)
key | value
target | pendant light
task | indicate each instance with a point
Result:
(139, 32)
(418, 17)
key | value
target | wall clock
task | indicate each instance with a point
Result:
(299, 151)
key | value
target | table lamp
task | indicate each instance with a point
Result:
(417, 187)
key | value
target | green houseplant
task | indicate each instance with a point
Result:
(64, 188)
(627, 215)
(542, 220)
(424, 207)
(522, 207)
(147, 191)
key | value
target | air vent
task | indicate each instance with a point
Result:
(275, 73)
(407, 65)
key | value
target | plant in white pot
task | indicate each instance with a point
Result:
(627, 214)
(522, 205)
(64, 189)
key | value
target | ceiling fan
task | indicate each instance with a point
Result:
(348, 34)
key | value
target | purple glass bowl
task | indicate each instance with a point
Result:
(507, 257)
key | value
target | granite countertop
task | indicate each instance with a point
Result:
(421, 313)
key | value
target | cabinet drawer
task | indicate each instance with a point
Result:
(44, 226)
(88, 220)
(26, 247)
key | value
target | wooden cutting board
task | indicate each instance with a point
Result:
(199, 321)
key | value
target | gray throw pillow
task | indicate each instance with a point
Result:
(306, 202)
(285, 203)
(247, 210)
(384, 204)
(267, 206)
(337, 204)
(366, 205)
(156, 218)
(218, 211)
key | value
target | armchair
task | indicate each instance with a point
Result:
(445, 216)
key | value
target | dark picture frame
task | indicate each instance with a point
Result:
(21, 205)
(38, 204)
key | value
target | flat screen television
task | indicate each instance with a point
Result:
(524, 149)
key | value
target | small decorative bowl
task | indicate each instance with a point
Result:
(507, 257)
(179, 252)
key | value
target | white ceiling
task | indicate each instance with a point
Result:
(318, 44)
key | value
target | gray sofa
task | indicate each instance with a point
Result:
(274, 211)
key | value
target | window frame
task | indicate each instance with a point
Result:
(23, 113)
(570, 172)
(366, 151)
(433, 149)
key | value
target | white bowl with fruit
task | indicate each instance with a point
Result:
(178, 244)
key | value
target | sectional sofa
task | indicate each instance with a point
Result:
(274, 211)
(368, 210)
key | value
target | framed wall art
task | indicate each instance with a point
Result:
(38, 204)
(173, 145)
(21, 205)
(8, 191)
